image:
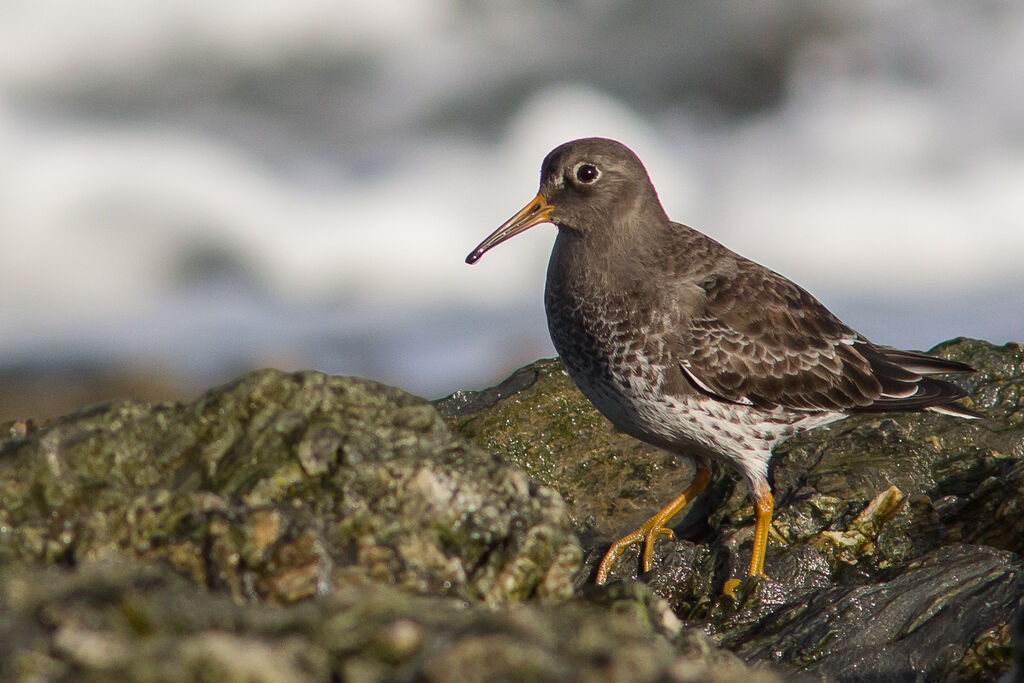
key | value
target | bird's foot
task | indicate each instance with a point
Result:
(646, 534)
(731, 585)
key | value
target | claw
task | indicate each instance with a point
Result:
(650, 530)
(613, 553)
(649, 538)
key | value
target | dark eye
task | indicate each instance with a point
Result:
(587, 173)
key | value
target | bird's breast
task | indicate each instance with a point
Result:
(610, 338)
(589, 318)
(601, 311)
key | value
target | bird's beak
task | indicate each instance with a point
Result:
(536, 212)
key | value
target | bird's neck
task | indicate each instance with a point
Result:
(603, 264)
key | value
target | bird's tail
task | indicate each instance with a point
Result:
(956, 410)
(907, 382)
(922, 363)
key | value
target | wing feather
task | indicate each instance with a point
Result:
(759, 339)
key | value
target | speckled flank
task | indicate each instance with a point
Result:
(691, 423)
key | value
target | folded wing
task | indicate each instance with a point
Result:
(790, 351)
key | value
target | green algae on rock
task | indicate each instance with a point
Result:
(282, 486)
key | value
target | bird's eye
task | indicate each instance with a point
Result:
(587, 173)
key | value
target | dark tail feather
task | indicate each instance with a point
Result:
(907, 386)
(921, 363)
(956, 410)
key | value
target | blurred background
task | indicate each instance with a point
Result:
(189, 189)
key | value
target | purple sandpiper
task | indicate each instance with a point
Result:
(688, 346)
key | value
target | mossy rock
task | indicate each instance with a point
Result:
(281, 486)
(121, 620)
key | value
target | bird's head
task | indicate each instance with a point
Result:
(587, 187)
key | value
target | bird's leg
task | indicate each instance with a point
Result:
(763, 507)
(650, 530)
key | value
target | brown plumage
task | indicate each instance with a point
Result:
(684, 344)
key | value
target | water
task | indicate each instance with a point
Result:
(208, 189)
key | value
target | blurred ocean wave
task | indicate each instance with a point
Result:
(201, 189)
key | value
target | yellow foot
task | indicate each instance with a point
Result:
(649, 532)
(646, 534)
(732, 584)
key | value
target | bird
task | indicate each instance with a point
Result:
(688, 346)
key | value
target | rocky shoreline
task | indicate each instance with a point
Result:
(296, 526)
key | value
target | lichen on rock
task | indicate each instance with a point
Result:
(281, 486)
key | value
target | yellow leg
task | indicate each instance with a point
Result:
(650, 530)
(763, 507)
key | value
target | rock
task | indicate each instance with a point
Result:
(118, 620)
(294, 527)
(304, 527)
(1016, 674)
(931, 618)
(282, 486)
(895, 549)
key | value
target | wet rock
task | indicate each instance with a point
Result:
(1016, 674)
(879, 519)
(914, 621)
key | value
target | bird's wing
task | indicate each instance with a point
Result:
(759, 339)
